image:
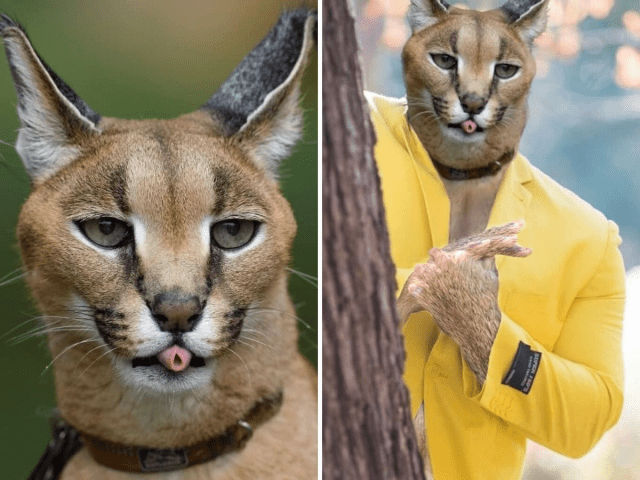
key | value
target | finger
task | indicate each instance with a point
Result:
(492, 247)
(512, 228)
(507, 246)
(482, 239)
(436, 254)
(515, 251)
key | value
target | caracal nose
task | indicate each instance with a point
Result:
(472, 103)
(176, 312)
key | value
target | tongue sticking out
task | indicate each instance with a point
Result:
(175, 358)
(469, 126)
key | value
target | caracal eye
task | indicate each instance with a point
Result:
(444, 61)
(106, 231)
(233, 233)
(506, 70)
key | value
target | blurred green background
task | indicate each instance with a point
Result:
(131, 59)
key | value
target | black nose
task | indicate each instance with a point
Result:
(176, 312)
(472, 103)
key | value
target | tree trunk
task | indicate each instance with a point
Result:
(367, 430)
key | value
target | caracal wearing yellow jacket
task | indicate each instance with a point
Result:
(500, 349)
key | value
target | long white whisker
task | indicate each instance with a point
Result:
(91, 364)
(65, 351)
(245, 365)
(307, 278)
(82, 358)
(17, 277)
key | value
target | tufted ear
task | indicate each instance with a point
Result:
(258, 105)
(424, 13)
(54, 121)
(528, 17)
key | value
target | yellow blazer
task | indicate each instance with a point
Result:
(565, 301)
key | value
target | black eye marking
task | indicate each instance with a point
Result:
(233, 233)
(506, 70)
(444, 61)
(106, 232)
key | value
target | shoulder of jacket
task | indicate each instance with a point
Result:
(569, 211)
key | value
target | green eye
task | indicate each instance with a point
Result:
(506, 70)
(106, 231)
(444, 61)
(233, 233)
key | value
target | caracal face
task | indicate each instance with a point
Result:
(467, 75)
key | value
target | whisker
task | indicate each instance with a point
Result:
(20, 325)
(245, 365)
(257, 332)
(275, 310)
(17, 277)
(91, 364)
(44, 331)
(82, 358)
(308, 339)
(306, 277)
(11, 273)
(244, 343)
(65, 351)
(197, 397)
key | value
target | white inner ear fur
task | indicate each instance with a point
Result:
(422, 15)
(43, 145)
(532, 22)
(287, 123)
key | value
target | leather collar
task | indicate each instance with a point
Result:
(493, 168)
(138, 459)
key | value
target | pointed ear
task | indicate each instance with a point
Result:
(424, 13)
(54, 121)
(258, 105)
(528, 17)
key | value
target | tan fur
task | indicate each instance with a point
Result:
(421, 433)
(471, 202)
(171, 179)
(459, 284)
(480, 39)
(89, 395)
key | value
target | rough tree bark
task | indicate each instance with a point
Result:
(367, 431)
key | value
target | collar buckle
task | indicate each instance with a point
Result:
(162, 460)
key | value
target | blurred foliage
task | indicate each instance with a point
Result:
(132, 59)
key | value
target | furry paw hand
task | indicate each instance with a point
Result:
(501, 240)
(459, 287)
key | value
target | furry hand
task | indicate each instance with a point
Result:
(459, 287)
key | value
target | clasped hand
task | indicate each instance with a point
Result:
(458, 286)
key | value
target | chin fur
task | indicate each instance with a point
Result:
(157, 379)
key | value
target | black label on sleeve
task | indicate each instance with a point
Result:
(523, 368)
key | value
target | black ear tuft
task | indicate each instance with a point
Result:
(52, 117)
(529, 17)
(424, 13)
(265, 68)
(65, 89)
(258, 103)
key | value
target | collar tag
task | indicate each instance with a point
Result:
(160, 460)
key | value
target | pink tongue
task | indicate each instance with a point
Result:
(175, 358)
(469, 126)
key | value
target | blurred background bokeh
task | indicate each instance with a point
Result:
(584, 131)
(131, 59)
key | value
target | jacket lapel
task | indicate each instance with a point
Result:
(433, 191)
(513, 198)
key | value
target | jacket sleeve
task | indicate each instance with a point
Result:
(576, 393)
(416, 343)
